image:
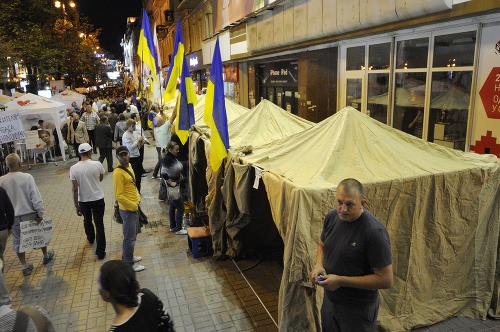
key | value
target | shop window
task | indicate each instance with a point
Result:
(378, 96)
(379, 56)
(355, 59)
(409, 99)
(454, 50)
(353, 97)
(412, 53)
(449, 108)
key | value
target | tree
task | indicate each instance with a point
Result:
(46, 41)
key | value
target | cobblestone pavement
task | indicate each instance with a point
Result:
(201, 294)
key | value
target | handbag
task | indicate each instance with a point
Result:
(174, 193)
(116, 215)
(162, 194)
(143, 218)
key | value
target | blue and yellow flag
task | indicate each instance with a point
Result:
(146, 48)
(175, 69)
(185, 105)
(215, 112)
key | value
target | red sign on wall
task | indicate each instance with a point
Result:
(490, 94)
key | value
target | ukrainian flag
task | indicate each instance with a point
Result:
(175, 69)
(185, 105)
(146, 47)
(215, 112)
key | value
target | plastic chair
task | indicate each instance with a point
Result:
(41, 153)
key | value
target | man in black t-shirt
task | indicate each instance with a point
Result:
(353, 261)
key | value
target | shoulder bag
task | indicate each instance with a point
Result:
(143, 219)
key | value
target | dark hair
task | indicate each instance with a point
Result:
(118, 279)
(352, 186)
(171, 145)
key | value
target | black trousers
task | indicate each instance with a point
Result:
(94, 209)
(92, 139)
(106, 153)
(136, 164)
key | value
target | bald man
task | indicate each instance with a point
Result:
(28, 205)
(353, 261)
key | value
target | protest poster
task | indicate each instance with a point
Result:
(11, 127)
(35, 234)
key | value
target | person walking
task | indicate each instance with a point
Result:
(88, 197)
(6, 219)
(104, 141)
(28, 205)
(353, 262)
(91, 119)
(120, 129)
(128, 198)
(77, 133)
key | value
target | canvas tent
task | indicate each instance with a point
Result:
(5, 99)
(263, 124)
(33, 108)
(68, 96)
(199, 138)
(441, 208)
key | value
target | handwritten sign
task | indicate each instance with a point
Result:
(11, 127)
(34, 234)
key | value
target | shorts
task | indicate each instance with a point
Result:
(16, 229)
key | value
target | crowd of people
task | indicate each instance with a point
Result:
(98, 126)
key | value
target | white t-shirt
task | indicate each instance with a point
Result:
(87, 174)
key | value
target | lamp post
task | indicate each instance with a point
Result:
(60, 4)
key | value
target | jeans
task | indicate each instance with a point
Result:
(92, 139)
(158, 164)
(95, 209)
(130, 230)
(349, 318)
(106, 153)
(176, 213)
(136, 164)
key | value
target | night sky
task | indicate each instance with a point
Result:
(111, 17)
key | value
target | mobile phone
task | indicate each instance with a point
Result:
(321, 278)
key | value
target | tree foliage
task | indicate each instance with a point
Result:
(47, 41)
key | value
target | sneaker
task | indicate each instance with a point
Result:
(28, 270)
(137, 259)
(181, 232)
(138, 268)
(48, 259)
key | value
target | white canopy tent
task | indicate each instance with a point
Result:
(68, 96)
(33, 108)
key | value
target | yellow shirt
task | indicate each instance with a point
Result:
(126, 193)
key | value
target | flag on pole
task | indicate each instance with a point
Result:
(175, 69)
(215, 112)
(185, 105)
(157, 83)
(146, 49)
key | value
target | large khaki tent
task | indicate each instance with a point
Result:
(441, 208)
(263, 124)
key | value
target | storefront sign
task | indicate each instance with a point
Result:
(283, 73)
(490, 94)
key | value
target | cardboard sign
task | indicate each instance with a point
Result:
(35, 235)
(11, 127)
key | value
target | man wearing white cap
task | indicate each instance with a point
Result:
(88, 197)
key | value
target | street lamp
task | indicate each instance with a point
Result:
(60, 4)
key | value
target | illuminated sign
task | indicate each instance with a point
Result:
(193, 61)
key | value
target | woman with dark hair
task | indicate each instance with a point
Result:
(136, 309)
(171, 173)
